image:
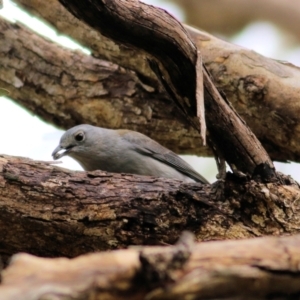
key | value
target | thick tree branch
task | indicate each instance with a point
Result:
(56, 212)
(262, 268)
(265, 92)
(169, 50)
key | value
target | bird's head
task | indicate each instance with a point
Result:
(73, 142)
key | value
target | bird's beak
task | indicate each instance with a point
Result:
(59, 152)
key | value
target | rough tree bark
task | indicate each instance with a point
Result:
(54, 212)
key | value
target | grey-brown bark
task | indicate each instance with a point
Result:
(263, 91)
(56, 212)
(264, 268)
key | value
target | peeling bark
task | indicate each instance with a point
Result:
(262, 268)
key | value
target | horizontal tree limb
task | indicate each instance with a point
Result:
(261, 268)
(56, 212)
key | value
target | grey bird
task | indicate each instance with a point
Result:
(123, 151)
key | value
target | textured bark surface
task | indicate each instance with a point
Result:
(265, 92)
(54, 212)
(262, 268)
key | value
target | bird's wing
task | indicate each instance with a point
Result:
(149, 147)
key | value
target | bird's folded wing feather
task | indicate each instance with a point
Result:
(149, 147)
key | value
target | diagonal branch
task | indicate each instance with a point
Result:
(157, 33)
(162, 37)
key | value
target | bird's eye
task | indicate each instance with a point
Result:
(79, 136)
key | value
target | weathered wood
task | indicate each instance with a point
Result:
(54, 211)
(57, 212)
(262, 268)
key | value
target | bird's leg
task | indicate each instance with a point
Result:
(221, 165)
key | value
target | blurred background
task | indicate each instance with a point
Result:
(269, 27)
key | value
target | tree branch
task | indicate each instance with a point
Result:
(168, 48)
(263, 91)
(264, 268)
(57, 212)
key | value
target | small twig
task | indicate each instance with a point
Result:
(200, 98)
